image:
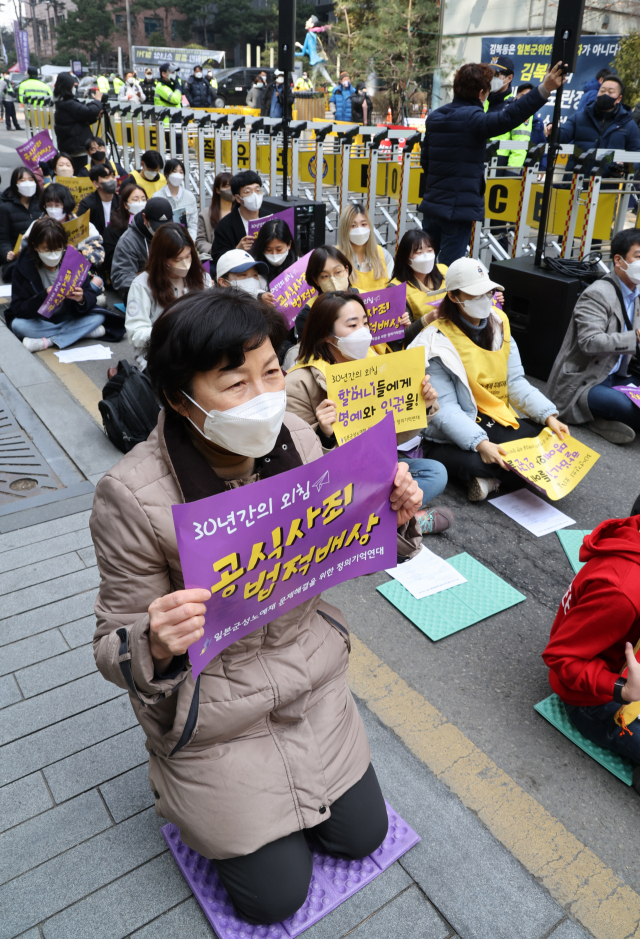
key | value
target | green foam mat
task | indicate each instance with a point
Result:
(571, 541)
(454, 609)
(553, 710)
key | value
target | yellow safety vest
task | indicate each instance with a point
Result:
(421, 301)
(151, 188)
(486, 370)
(365, 281)
(110, 162)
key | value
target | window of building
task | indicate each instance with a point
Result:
(174, 29)
(152, 26)
(44, 31)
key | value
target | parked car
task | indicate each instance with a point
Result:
(234, 83)
(87, 87)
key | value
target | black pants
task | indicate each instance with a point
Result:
(79, 162)
(269, 885)
(467, 464)
(10, 114)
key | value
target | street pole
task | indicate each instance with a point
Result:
(34, 25)
(128, 14)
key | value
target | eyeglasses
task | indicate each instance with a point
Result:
(338, 272)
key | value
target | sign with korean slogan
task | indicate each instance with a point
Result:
(264, 549)
(366, 390)
(287, 215)
(291, 290)
(386, 308)
(632, 393)
(553, 466)
(80, 186)
(71, 274)
(37, 149)
(77, 229)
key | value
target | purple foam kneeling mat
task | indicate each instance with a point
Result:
(332, 882)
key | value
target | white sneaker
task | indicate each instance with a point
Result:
(36, 345)
(479, 488)
(101, 300)
(613, 431)
(97, 333)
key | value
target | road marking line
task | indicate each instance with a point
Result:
(80, 386)
(589, 890)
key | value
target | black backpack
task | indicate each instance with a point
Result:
(129, 408)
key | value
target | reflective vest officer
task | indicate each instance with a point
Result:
(32, 85)
(166, 95)
(103, 84)
(117, 82)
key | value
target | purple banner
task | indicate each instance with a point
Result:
(266, 548)
(37, 149)
(386, 308)
(632, 393)
(291, 290)
(21, 38)
(287, 215)
(73, 273)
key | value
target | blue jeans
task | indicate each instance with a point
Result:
(63, 334)
(612, 405)
(430, 476)
(597, 724)
(449, 239)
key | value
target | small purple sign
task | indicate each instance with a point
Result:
(266, 548)
(287, 215)
(21, 38)
(73, 273)
(386, 308)
(291, 290)
(36, 150)
(632, 393)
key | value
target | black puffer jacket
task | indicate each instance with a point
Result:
(15, 219)
(199, 93)
(72, 123)
(28, 293)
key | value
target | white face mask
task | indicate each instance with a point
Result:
(135, 207)
(27, 187)
(633, 272)
(149, 174)
(179, 268)
(276, 259)
(423, 263)
(130, 81)
(356, 344)
(479, 308)
(253, 201)
(336, 283)
(249, 429)
(250, 285)
(279, 80)
(259, 84)
(55, 211)
(176, 179)
(359, 236)
(496, 84)
(198, 74)
(50, 258)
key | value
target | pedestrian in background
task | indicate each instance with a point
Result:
(591, 88)
(340, 101)
(361, 106)
(73, 119)
(148, 86)
(198, 92)
(131, 90)
(8, 98)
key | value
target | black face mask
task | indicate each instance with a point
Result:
(605, 103)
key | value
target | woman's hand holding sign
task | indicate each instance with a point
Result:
(175, 622)
(327, 415)
(406, 497)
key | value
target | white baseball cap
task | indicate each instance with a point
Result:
(470, 276)
(236, 262)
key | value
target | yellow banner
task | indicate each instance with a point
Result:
(80, 186)
(77, 229)
(16, 247)
(366, 390)
(552, 465)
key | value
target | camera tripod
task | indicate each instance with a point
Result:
(108, 129)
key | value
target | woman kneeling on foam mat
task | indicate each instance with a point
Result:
(266, 748)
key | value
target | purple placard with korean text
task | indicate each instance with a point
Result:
(291, 290)
(39, 148)
(287, 215)
(73, 273)
(264, 549)
(632, 393)
(21, 38)
(386, 308)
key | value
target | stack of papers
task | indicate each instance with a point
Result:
(426, 574)
(532, 512)
(84, 354)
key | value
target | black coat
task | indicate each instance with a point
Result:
(15, 219)
(110, 239)
(227, 235)
(148, 90)
(199, 93)
(28, 293)
(93, 203)
(72, 123)
(357, 114)
(453, 153)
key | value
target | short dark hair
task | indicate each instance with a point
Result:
(171, 165)
(94, 139)
(56, 192)
(245, 178)
(623, 242)
(525, 86)
(48, 231)
(53, 163)
(18, 174)
(319, 325)
(100, 171)
(317, 261)
(152, 159)
(205, 330)
(471, 79)
(603, 73)
(402, 270)
(614, 78)
(276, 228)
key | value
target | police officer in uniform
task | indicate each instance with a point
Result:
(32, 85)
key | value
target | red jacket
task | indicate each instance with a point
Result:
(598, 614)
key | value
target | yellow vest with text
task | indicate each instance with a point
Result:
(421, 301)
(151, 188)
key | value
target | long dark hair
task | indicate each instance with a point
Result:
(403, 271)
(49, 231)
(63, 88)
(220, 182)
(20, 173)
(167, 243)
(319, 325)
(120, 216)
(448, 310)
(270, 230)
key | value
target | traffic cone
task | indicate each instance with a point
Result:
(424, 113)
(389, 116)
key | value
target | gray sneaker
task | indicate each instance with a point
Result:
(613, 431)
(479, 488)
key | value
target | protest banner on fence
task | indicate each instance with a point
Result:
(73, 273)
(287, 215)
(632, 393)
(291, 290)
(366, 390)
(77, 229)
(80, 186)
(386, 308)
(264, 549)
(37, 149)
(551, 465)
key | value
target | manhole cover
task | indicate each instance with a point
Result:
(23, 470)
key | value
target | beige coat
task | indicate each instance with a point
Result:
(268, 737)
(204, 237)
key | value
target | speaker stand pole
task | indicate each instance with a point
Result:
(285, 135)
(548, 179)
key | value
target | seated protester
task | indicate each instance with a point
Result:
(104, 200)
(181, 199)
(415, 266)
(214, 352)
(275, 247)
(33, 277)
(593, 638)
(328, 270)
(150, 179)
(97, 152)
(61, 165)
(20, 207)
(602, 337)
(132, 250)
(232, 231)
(475, 367)
(172, 269)
(372, 264)
(221, 203)
(239, 269)
(132, 200)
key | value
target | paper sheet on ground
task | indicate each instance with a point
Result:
(553, 466)
(84, 354)
(5, 290)
(532, 512)
(426, 574)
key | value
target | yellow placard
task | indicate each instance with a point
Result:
(366, 390)
(77, 229)
(80, 186)
(16, 247)
(555, 466)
